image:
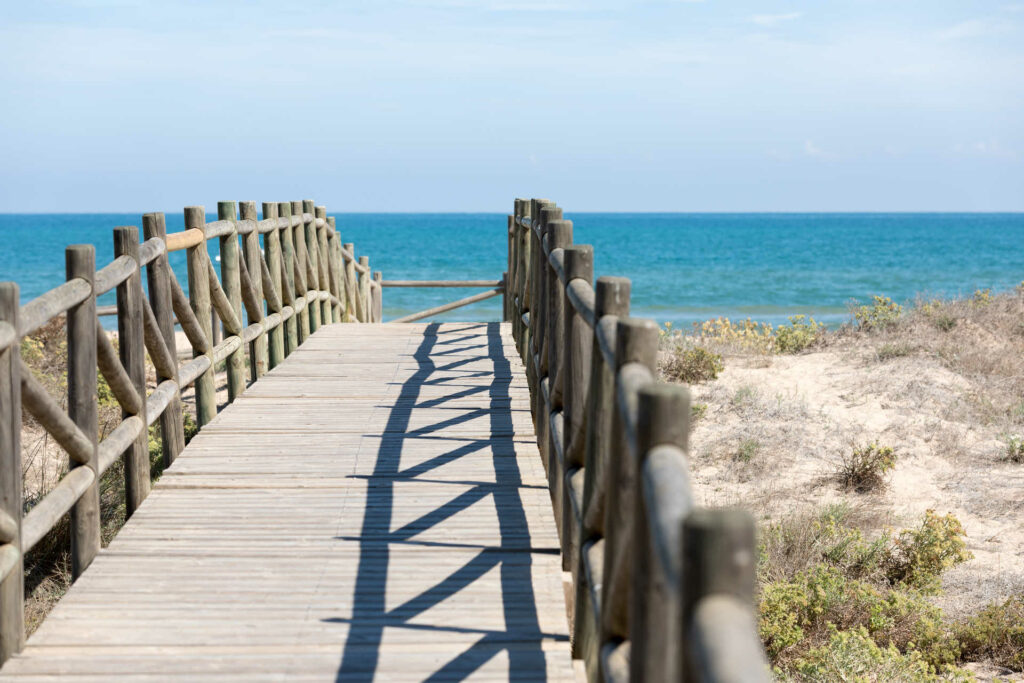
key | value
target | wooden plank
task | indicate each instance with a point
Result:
(374, 508)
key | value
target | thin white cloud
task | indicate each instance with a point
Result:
(813, 151)
(974, 28)
(774, 19)
(991, 149)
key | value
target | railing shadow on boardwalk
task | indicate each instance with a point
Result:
(370, 615)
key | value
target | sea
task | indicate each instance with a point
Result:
(684, 267)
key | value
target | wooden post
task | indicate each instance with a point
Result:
(351, 286)
(663, 419)
(506, 299)
(539, 328)
(335, 271)
(719, 557)
(289, 288)
(258, 353)
(199, 299)
(611, 301)
(575, 374)
(378, 297)
(636, 341)
(312, 263)
(559, 236)
(132, 350)
(323, 261)
(231, 283)
(12, 590)
(82, 405)
(365, 304)
(275, 350)
(158, 276)
(301, 279)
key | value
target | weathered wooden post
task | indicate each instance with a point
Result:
(290, 287)
(231, 283)
(275, 347)
(575, 372)
(719, 558)
(351, 286)
(259, 352)
(506, 296)
(132, 351)
(611, 302)
(199, 300)
(663, 419)
(82, 405)
(298, 237)
(559, 236)
(523, 275)
(323, 262)
(158, 276)
(636, 342)
(335, 271)
(312, 267)
(378, 297)
(12, 590)
(540, 326)
(366, 304)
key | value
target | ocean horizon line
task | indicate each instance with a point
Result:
(795, 212)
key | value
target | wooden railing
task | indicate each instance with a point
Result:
(300, 278)
(663, 590)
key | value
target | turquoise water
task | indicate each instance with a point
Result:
(684, 267)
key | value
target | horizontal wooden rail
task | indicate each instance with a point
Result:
(663, 591)
(300, 273)
(448, 307)
(441, 283)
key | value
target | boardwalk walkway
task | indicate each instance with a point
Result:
(374, 508)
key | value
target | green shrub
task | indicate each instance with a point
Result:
(982, 297)
(1015, 448)
(854, 656)
(801, 333)
(693, 365)
(882, 313)
(748, 448)
(864, 468)
(698, 411)
(920, 555)
(944, 322)
(893, 350)
(996, 633)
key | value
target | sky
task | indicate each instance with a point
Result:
(462, 105)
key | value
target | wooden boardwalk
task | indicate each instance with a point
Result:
(374, 508)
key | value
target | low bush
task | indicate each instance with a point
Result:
(693, 365)
(892, 350)
(801, 333)
(821, 577)
(864, 468)
(854, 656)
(996, 633)
(745, 335)
(1015, 448)
(920, 555)
(748, 448)
(698, 411)
(882, 313)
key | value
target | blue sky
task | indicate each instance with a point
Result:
(460, 105)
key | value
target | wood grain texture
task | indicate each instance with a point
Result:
(158, 276)
(81, 324)
(12, 591)
(373, 508)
